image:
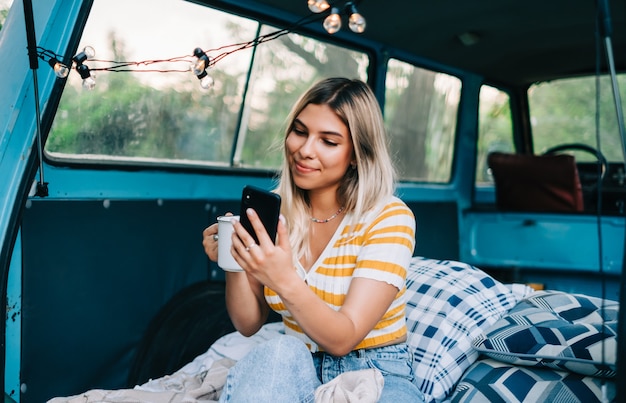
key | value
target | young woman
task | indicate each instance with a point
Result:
(337, 271)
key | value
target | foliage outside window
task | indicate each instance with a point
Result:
(495, 129)
(420, 115)
(564, 111)
(153, 116)
(5, 5)
(167, 118)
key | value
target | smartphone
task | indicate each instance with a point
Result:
(267, 206)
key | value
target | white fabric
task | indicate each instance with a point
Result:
(193, 383)
(364, 386)
(206, 387)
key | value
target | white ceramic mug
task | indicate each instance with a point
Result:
(225, 259)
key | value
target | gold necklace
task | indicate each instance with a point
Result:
(317, 220)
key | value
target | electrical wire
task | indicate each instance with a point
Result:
(226, 50)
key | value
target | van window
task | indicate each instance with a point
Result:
(564, 111)
(420, 114)
(159, 113)
(495, 129)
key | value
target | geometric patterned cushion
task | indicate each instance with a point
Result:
(448, 305)
(488, 380)
(556, 330)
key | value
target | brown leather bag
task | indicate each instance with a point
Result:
(540, 183)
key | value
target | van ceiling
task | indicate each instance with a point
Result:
(517, 42)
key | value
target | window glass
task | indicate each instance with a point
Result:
(564, 111)
(495, 129)
(155, 115)
(166, 117)
(5, 5)
(420, 114)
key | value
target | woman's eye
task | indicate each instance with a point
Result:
(299, 132)
(330, 143)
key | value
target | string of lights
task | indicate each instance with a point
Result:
(200, 61)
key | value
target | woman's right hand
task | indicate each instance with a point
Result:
(209, 241)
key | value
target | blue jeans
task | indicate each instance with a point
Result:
(283, 370)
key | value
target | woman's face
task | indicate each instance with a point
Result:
(319, 149)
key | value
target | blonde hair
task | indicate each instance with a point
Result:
(364, 185)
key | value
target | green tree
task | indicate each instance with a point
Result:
(123, 117)
(3, 16)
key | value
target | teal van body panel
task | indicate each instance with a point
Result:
(555, 250)
(18, 125)
(14, 322)
(547, 241)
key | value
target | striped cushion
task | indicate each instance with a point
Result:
(557, 330)
(489, 380)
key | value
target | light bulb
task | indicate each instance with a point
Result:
(198, 67)
(60, 70)
(201, 64)
(87, 53)
(356, 22)
(207, 82)
(89, 83)
(332, 23)
(90, 52)
(318, 6)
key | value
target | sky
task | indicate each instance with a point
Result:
(157, 30)
(153, 29)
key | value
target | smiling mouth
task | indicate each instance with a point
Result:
(303, 169)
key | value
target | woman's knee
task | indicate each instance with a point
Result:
(288, 348)
(280, 351)
(280, 369)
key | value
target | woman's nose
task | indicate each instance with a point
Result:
(308, 147)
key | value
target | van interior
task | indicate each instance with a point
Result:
(126, 128)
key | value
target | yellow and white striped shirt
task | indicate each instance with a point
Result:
(378, 248)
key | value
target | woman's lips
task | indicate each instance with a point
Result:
(303, 168)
